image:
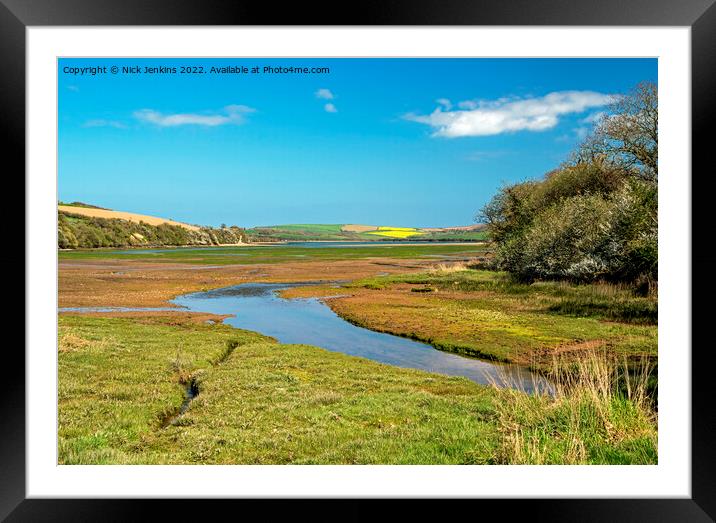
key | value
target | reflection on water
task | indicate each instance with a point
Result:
(257, 307)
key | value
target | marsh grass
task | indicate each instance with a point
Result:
(610, 301)
(124, 401)
(121, 400)
(601, 411)
(601, 300)
(487, 314)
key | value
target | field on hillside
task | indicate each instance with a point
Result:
(356, 232)
(96, 212)
(397, 232)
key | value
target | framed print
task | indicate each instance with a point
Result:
(415, 254)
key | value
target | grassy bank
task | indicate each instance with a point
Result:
(486, 314)
(122, 383)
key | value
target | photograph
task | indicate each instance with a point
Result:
(357, 261)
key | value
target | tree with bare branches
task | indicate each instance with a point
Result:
(627, 136)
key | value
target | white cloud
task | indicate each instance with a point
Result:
(330, 108)
(104, 123)
(447, 104)
(486, 118)
(325, 94)
(231, 114)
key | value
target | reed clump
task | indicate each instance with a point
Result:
(447, 268)
(601, 410)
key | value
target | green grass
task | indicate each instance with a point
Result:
(275, 254)
(121, 380)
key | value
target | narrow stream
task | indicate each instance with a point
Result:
(257, 307)
(191, 391)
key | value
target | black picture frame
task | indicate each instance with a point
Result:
(699, 15)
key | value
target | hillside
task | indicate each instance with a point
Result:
(98, 212)
(82, 227)
(85, 226)
(357, 232)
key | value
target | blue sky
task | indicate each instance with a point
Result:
(406, 142)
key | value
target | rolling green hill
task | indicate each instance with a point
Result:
(355, 232)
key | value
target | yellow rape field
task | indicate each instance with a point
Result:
(396, 232)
